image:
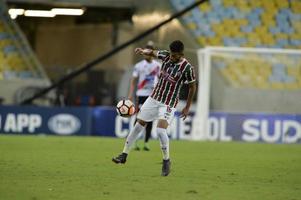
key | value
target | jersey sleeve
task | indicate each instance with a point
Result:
(162, 54)
(135, 71)
(189, 75)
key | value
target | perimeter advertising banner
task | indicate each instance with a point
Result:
(255, 127)
(249, 127)
(46, 120)
(103, 121)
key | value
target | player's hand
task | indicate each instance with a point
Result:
(184, 113)
(142, 51)
(138, 51)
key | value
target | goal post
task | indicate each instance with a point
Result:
(245, 71)
(199, 127)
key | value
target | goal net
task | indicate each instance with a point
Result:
(245, 80)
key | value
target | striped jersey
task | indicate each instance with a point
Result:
(171, 78)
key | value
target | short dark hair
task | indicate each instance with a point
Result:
(150, 45)
(176, 46)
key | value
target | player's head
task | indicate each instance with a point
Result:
(149, 45)
(176, 50)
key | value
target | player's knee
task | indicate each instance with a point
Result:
(162, 124)
(141, 122)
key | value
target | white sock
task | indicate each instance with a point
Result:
(164, 142)
(132, 137)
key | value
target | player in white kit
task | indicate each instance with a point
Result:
(144, 78)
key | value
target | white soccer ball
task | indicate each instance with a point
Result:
(125, 108)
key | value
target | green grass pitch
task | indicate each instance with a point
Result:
(68, 168)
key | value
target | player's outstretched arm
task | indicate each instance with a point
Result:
(192, 89)
(146, 52)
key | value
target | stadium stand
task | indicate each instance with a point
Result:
(249, 23)
(17, 61)
(21, 74)
(256, 71)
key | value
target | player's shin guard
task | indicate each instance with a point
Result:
(132, 137)
(164, 142)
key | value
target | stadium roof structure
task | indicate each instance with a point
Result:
(98, 3)
(96, 11)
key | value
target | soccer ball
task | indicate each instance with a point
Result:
(125, 108)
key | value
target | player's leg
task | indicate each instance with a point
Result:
(136, 148)
(146, 114)
(139, 102)
(166, 115)
(163, 137)
(164, 143)
(131, 138)
(148, 131)
(134, 134)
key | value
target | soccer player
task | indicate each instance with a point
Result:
(175, 71)
(144, 76)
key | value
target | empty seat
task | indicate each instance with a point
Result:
(260, 23)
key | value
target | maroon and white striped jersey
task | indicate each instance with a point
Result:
(172, 77)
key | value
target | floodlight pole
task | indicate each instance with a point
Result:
(108, 54)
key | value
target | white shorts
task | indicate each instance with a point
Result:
(153, 109)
